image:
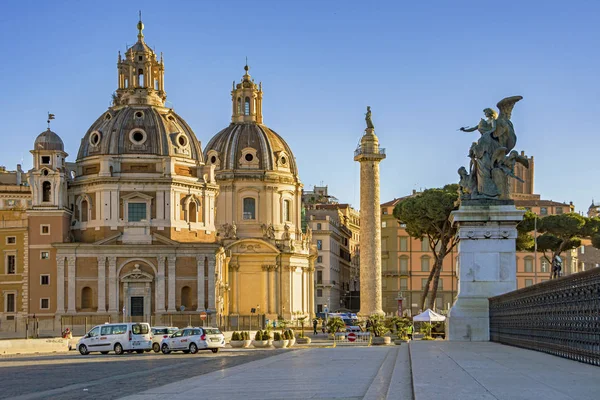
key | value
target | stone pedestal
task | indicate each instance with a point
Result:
(487, 264)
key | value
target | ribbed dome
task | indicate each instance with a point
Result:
(140, 129)
(272, 152)
(48, 140)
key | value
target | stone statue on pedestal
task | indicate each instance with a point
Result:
(368, 118)
(492, 158)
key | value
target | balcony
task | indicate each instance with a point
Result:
(366, 151)
(323, 282)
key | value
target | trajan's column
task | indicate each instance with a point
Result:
(368, 154)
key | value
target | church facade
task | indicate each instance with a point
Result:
(146, 224)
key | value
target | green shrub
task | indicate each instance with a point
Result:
(276, 336)
(235, 336)
(377, 325)
(426, 329)
(245, 335)
(291, 334)
(265, 335)
(335, 324)
(258, 336)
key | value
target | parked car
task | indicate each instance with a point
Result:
(214, 338)
(352, 325)
(126, 336)
(159, 333)
(191, 340)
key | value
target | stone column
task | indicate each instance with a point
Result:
(211, 283)
(311, 291)
(369, 155)
(171, 299)
(101, 283)
(60, 284)
(265, 300)
(71, 284)
(303, 291)
(487, 264)
(113, 284)
(160, 285)
(200, 278)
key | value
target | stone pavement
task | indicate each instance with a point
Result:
(487, 371)
(323, 373)
(435, 369)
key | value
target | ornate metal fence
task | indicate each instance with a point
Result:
(560, 317)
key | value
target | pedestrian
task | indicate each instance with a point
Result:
(315, 323)
(409, 331)
(323, 326)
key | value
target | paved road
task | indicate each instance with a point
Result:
(72, 376)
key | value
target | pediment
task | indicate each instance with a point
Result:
(249, 246)
(108, 240)
(137, 275)
(164, 240)
(136, 195)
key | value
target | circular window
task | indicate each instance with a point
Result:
(107, 117)
(139, 114)
(213, 160)
(249, 157)
(95, 138)
(45, 172)
(137, 136)
(182, 140)
(283, 160)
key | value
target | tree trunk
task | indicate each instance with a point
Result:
(436, 279)
(426, 288)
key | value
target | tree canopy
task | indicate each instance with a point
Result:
(427, 215)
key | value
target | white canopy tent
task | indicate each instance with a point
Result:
(429, 316)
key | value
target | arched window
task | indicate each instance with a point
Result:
(126, 82)
(239, 105)
(249, 208)
(192, 212)
(286, 210)
(186, 297)
(46, 188)
(247, 106)
(140, 77)
(84, 211)
(425, 264)
(86, 297)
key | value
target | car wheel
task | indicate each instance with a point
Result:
(118, 349)
(140, 351)
(156, 347)
(214, 350)
(193, 348)
(104, 352)
(83, 350)
(165, 349)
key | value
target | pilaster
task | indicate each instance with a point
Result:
(71, 284)
(200, 278)
(60, 284)
(101, 284)
(160, 285)
(112, 284)
(171, 296)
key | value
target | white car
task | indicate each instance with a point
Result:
(190, 340)
(119, 338)
(159, 333)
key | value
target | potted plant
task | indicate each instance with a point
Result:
(236, 340)
(259, 342)
(426, 330)
(267, 336)
(378, 329)
(335, 325)
(401, 330)
(279, 341)
(303, 339)
(291, 337)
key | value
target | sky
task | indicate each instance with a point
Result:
(426, 68)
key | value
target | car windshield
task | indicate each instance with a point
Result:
(160, 331)
(212, 331)
(139, 329)
(173, 330)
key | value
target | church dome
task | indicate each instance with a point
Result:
(143, 129)
(48, 140)
(247, 146)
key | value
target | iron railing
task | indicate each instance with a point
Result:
(559, 317)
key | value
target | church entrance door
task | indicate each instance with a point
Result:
(137, 306)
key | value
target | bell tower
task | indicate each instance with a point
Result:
(246, 99)
(141, 76)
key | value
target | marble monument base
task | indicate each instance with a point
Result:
(487, 265)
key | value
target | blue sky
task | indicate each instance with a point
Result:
(426, 68)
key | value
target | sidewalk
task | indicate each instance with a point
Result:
(490, 371)
(332, 373)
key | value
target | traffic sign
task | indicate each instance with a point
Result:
(351, 337)
(202, 314)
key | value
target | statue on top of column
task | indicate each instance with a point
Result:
(368, 118)
(492, 156)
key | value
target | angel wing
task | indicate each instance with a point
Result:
(506, 106)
